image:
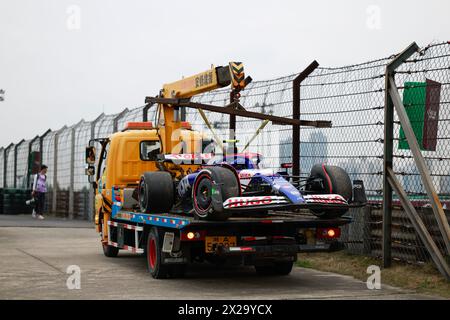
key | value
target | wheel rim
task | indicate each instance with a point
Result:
(152, 253)
(203, 194)
(143, 196)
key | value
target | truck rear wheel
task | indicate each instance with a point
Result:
(281, 268)
(154, 255)
(156, 193)
(335, 180)
(202, 192)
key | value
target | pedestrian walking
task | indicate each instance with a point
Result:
(38, 192)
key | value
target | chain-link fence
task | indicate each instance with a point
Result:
(352, 97)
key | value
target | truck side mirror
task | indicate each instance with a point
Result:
(90, 171)
(90, 155)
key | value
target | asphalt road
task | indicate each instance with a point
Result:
(34, 258)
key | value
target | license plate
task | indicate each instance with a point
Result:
(212, 242)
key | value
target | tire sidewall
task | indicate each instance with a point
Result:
(337, 181)
(218, 176)
(157, 270)
(201, 213)
(158, 192)
(143, 197)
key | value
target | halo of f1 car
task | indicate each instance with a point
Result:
(236, 184)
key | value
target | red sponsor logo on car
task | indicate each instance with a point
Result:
(325, 199)
(246, 202)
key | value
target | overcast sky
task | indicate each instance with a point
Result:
(61, 61)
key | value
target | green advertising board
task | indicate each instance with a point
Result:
(414, 96)
(421, 101)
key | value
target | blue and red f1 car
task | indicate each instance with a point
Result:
(237, 184)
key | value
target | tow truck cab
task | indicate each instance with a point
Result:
(125, 155)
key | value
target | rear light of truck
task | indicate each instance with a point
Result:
(328, 233)
(192, 235)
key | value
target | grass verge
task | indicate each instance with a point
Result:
(424, 279)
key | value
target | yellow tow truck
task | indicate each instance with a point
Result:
(171, 192)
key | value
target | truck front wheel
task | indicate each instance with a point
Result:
(110, 251)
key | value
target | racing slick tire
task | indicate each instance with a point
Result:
(156, 192)
(335, 180)
(202, 192)
(281, 268)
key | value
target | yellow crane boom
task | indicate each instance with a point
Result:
(177, 94)
(214, 78)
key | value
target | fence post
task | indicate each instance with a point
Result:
(15, 162)
(296, 115)
(387, 163)
(72, 169)
(55, 170)
(2, 150)
(91, 195)
(388, 155)
(117, 118)
(5, 163)
(93, 123)
(30, 147)
(41, 143)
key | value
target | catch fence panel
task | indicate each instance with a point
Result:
(2, 162)
(134, 115)
(10, 168)
(22, 165)
(82, 137)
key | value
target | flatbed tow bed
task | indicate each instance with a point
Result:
(276, 237)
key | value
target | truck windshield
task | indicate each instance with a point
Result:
(150, 150)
